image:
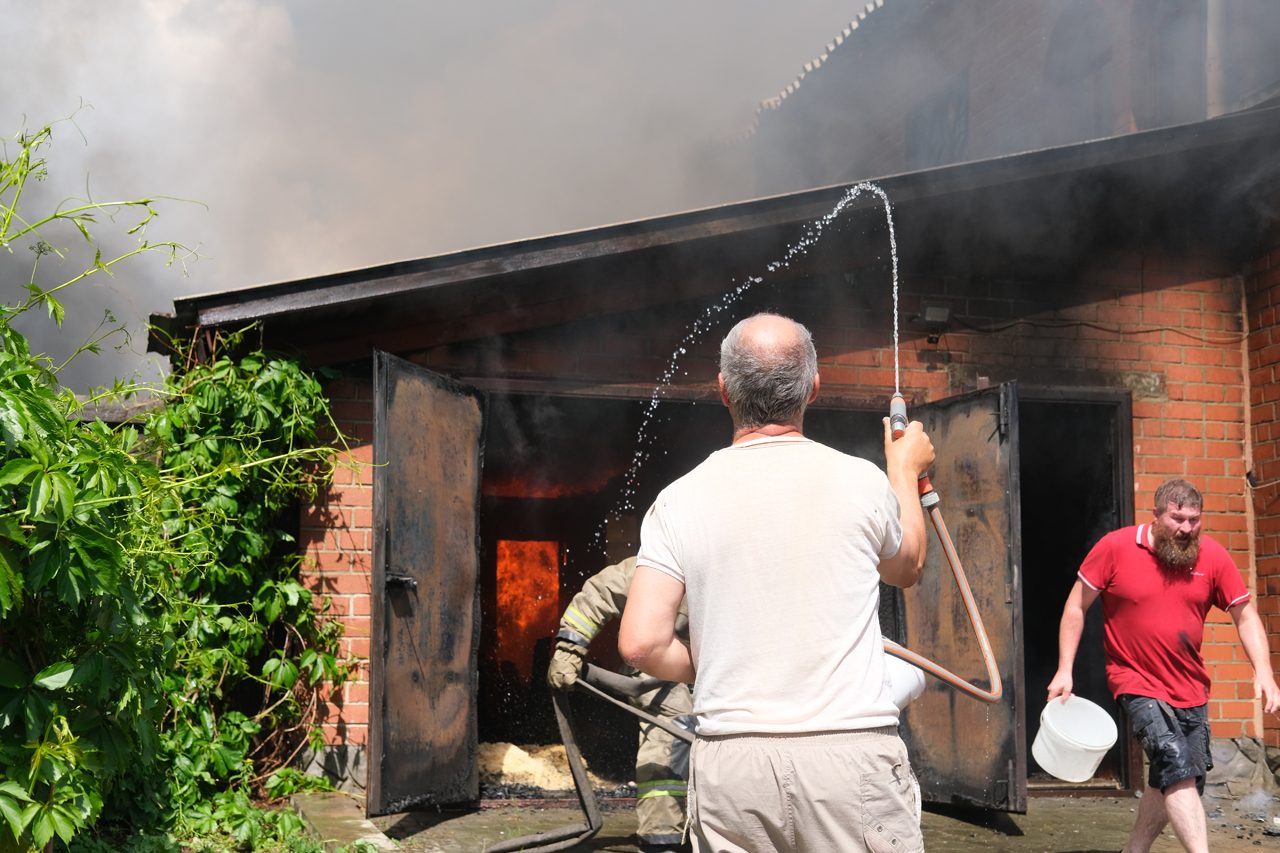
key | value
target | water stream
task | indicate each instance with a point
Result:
(719, 311)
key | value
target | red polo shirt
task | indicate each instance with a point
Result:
(1153, 621)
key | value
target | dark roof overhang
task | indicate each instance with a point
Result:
(1214, 178)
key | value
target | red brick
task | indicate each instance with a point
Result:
(339, 605)
(1114, 351)
(341, 562)
(1223, 412)
(355, 626)
(338, 583)
(1196, 468)
(356, 647)
(1236, 710)
(1235, 672)
(1201, 393)
(1222, 449)
(1213, 356)
(354, 713)
(1180, 410)
(1223, 727)
(1160, 465)
(357, 495)
(836, 376)
(1182, 299)
(1217, 652)
(341, 733)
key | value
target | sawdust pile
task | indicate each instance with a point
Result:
(545, 767)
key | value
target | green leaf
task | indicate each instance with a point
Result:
(14, 791)
(10, 529)
(42, 827)
(12, 816)
(41, 493)
(13, 420)
(17, 471)
(55, 677)
(56, 312)
(64, 495)
(65, 822)
(10, 581)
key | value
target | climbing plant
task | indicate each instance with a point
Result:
(159, 659)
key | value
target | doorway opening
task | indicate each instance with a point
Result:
(1076, 485)
(555, 468)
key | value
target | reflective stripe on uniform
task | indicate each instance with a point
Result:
(662, 788)
(581, 623)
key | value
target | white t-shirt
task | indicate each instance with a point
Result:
(777, 543)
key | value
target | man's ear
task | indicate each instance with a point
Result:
(813, 395)
(724, 395)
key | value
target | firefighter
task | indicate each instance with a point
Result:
(662, 761)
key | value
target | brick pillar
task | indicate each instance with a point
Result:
(336, 542)
(1262, 294)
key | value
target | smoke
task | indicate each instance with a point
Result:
(306, 137)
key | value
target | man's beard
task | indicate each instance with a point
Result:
(1176, 553)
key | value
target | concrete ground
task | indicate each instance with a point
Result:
(1051, 825)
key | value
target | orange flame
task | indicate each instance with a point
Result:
(519, 486)
(528, 599)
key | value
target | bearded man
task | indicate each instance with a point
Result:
(1157, 582)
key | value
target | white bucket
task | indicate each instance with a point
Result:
(905, 681)
(1073, 737)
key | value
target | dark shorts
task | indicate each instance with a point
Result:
(1176, 740)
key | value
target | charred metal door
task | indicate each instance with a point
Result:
(428, 448)
(965, 751)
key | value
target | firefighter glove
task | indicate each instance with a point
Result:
(566, 664)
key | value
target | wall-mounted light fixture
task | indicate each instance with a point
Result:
(937, 320)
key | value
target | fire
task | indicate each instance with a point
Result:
(523, 486)
(528, 599)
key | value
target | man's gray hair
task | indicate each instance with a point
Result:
(769, 386)
(1180, 493)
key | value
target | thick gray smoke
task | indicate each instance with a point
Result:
(313, 136)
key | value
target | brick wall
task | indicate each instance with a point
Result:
(1169, 330)
(1262, 288)
(336, 539)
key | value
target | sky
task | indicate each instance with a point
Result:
(293, 138)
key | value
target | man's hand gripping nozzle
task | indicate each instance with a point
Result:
(897, 426)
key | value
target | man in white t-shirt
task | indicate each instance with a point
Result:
(778, 544)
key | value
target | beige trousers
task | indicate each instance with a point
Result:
(841, 792)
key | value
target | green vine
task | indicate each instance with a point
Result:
(160, 662)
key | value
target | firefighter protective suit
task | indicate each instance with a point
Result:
(662, 761)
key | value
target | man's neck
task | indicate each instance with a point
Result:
(746, 434)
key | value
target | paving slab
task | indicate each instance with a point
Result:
(1051, 825)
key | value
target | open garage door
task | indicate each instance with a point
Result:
(965, 751)
(428, 450)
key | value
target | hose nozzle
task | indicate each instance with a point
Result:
(897, 426)
(897, 415)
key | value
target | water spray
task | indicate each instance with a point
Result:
(929, 498)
